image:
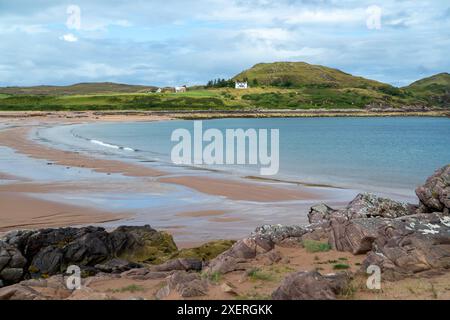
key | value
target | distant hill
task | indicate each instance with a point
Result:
(280, 85)
(77, 89)
(435, 89)
(441, 79)
(302, 74)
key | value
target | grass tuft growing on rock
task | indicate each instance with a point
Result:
(313, 246)
(257, 274)
(341, 266)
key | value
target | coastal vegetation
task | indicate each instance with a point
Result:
(282, 85)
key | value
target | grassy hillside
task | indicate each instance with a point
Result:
(435, 90)
(77, 89)
(441, 79)
(301, 74)
(316, 86)
(282, 85)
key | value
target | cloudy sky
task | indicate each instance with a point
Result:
(174, 42)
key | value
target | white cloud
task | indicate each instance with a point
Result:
(69, 37)
(169, 42)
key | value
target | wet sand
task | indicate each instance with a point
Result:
(17, 139)
(19, 211)
(244, 191)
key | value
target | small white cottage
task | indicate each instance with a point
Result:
(180, 89)
(241, 85)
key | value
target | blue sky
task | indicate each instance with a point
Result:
(175, 42)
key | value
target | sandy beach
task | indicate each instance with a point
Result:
(24, 207)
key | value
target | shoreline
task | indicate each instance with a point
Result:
(145, 115)
(266, 193)
(15, 135)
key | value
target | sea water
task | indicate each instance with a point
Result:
(393, 154)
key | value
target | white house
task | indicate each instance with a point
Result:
(241, 85)
(180, 89)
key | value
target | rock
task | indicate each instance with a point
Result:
(162, 293)
(51, 251)
(12, 264)
(291, 243)
(434, 195)
(412, 244)
(116, 266)
(355, 236)
(367, 205)
(188, 285)
(144, 274)
(11, 275)
(47, 261)
(270, 257)
(184, 264)
(274, 234)
(19, 292)
(318, 234)
(225, 264)
(310, 286)
(143, 244)
(320, 213)
(236, 257)
(228, 288)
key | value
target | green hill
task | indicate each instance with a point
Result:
(280, 85)
(435, 90)
(441, 79)
(301, 74)
(77, 89)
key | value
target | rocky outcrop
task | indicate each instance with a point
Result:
(409, 245)
(355, 236)
(260, 242)
(320, 213)
(275, 234)
(184, 264)
(311, 286)
(367, 205)
(187, 285)
(12, 263)
(51, 251)
(434, 195)
(364, 205)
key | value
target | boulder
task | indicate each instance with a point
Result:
(320, 213)
(275, 234)
(409, 245)
(144, 274)
(51, 251)
(116, 266)
(237, 256)
(367, 205)
(187, 285)
(184, 264)
(311, 286)
(434, 195)
(356, 235)
(12, 264)
(19, 292)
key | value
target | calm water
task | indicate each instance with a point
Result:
(382, 154)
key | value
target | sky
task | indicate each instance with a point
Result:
(179, 42)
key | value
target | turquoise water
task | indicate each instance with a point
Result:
(367, 153)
